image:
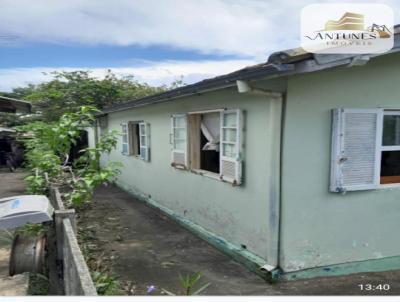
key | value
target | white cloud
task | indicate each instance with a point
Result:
(153, 73)
(252, 28)
(243, 27)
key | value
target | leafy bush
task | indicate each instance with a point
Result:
(31, 230)
(6, 237)
(48, 150)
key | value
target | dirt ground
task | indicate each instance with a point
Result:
(143, 248)
(11, 184)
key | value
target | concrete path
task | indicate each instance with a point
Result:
(143, 247)
(11, 184)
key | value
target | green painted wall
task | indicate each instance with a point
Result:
(244, 215)
(91, 136)
(319, 227)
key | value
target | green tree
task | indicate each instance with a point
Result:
(67, 91)
(20, 92)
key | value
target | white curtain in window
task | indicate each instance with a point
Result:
(210, 127)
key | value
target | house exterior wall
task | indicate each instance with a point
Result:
(243, 215)
(91, 136)
(318, 227)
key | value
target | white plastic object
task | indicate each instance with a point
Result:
(18, 210)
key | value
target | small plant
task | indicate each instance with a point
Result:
(31, 230)
(39, 285)
(188, 283)
(105, 284)
(6, 237)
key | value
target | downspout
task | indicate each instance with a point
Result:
(273, 271)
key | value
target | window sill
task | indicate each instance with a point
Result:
(389, 186)
(133, 156)
(206, 173)
(213, 176)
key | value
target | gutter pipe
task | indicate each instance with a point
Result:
(244, 87)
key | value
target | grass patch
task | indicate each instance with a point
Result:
(38, 285)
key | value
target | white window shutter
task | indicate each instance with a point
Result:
(231, 146)
(178, 140)
(144, 141)
(355, 162)
(125, 138)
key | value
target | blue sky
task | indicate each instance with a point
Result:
(157, 41)
(75, 55)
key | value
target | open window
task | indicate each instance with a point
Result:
(365, 149)
(136, 139)
(209, 143)
(204, 141)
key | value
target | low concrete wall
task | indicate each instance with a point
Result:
(75, 276)
(77, 280)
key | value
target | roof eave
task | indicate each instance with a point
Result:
(285, 63)
(218, 83)
(18, 105)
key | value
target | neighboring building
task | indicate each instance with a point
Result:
(8, 142)
(292, 165)
(10, 105)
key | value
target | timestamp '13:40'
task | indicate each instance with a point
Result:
(372, 287)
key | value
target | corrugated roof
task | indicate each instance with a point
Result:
(14, 105)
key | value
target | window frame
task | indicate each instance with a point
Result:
(172, 139)
(174, 128)
(144, 137)
(125, 134)
(237, 137)
(237, 159)
(338, 184)
(198, 170)
(381, 148)
(128, 126)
